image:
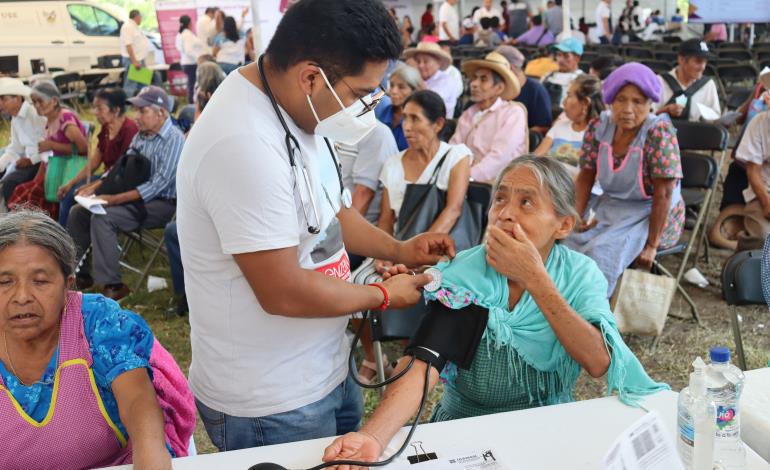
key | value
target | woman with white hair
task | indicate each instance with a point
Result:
(404, 81)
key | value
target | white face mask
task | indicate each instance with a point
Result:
(343, 126)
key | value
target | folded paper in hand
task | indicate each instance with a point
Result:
(93, 204)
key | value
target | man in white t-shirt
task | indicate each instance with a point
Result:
(134, 48)
(206, 28)
(264, 226)
(448, 21)
(487, 11)
(603, 15)
(686, 92)
(568, 52)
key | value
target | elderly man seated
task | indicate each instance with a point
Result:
(433, 62)
(21, 159)
(685, 89)
(494, 128)
(151, 204)
(529, 312)
(568, 53)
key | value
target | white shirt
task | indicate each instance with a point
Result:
(395, 182)
(484, 13)
(131, 35)
(206, 29)
(237, 195)
(706, 96)
(755, 148)
(443, 83)
(27, 130)
(189, 47)
(448, 14)
(457, 77)
(232, 52)
(602, 11)
(362, 164)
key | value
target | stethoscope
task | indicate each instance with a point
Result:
(300, 171)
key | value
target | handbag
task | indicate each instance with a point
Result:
(131, 170)
(642, 302)
(424, 202)
(61, 169)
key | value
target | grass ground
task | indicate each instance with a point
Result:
(681, 342)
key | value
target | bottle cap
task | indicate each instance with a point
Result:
(433, 285)
(719, 354)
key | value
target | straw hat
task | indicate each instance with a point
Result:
(430, 48)
(728, 227)
(13, 87)
(495, 62)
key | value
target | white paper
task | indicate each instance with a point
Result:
(480, 459)
(645, 445)
(707, 113)
(681, 100)
(92, 203)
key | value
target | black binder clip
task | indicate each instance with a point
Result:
(420, 455)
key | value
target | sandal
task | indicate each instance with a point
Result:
(367, 373)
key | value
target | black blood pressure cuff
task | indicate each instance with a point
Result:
(448, 335)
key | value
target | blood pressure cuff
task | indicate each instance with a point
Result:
(448, 335)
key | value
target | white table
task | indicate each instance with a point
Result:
(570, 436)
(755, 411)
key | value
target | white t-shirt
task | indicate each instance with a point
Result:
(237, 195)
(189, 47)
(206, 29)
(707, 96)
(395, 182)
(565, 141)
(602, 11)
(755, 148)
(448, 14)
(131, 35)
(231, 52)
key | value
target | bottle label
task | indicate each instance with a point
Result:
(727, 423)
(686, 441)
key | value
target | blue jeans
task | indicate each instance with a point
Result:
(171, 238)
(66, 204)
(337, 413)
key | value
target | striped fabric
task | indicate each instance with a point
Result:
(163, 150)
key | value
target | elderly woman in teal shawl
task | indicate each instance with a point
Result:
(548, 317)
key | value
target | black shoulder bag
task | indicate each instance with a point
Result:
(131, 170)
(678, 91)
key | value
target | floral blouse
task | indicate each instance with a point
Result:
(661, 160)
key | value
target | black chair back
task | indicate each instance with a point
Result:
(109, 61)
(658, 66)
(698, 170)
(737, 54)
(742, 280)
(535, 139)
(666, 56)
(737, 97)
(638, 52)
(733, 45)
(701, 136)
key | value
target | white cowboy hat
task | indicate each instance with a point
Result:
(430, 48)
(497, 63)
(13, 87)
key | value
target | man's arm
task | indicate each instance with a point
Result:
(362, 197)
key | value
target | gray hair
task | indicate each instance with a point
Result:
(552, 176)
(47, 90)
(34, 227)
(410, 75)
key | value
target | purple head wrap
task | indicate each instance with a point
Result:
(632, 73)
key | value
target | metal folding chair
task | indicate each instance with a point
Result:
(145, 238)
(741, 285)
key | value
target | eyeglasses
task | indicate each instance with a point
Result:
(377, 96)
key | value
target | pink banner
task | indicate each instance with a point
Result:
(168, 26)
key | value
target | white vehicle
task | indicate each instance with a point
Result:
(69, 35)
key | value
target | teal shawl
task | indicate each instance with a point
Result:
(525, 332)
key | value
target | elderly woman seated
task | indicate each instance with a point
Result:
(76, 386)
(634, 155)
(538, 309)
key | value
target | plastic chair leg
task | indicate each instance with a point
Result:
(737, 337)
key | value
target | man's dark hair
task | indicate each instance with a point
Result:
(115, 98)
(494, 22)
(429, 6)
(133, 14)
(211, 10)
(557, 2)
(338, 35)
(485, 23)
(537, 20)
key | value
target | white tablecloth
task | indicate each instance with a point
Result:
(570, 436)
(755, 411)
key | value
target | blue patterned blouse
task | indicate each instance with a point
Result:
(120, 341)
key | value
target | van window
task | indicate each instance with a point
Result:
(93, 21)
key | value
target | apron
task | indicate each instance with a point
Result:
(77, 432)
(623, 210)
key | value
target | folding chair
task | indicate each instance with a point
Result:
(535, 138)
(741, 285)
(762, 55)
(111, 61)
(737, 75)
(658, 66)
(638, 53)
(741, 55)
(732, 45)
(710, 138)
(737, 97)
(72, 88)
(666, 56)
(145, 238)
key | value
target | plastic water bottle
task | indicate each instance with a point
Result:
(725, 384)
(696, 421)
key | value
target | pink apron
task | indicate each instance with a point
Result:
(77, 432)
